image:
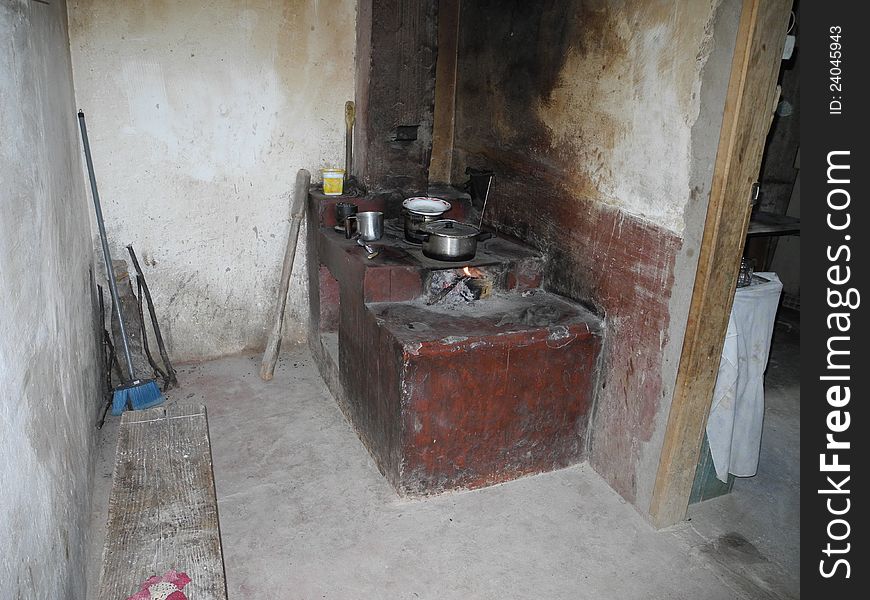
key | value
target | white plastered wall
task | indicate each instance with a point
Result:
(200, 115)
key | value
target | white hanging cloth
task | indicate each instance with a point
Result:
(737, 412)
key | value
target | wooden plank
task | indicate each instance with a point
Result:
(748, 112)
(441, 161)
(163, 508)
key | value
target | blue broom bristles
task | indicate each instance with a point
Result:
(138, 395)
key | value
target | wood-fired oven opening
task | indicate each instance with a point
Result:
(449, 287)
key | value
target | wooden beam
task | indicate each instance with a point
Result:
(441, 163)
(748, 111)
(396, 47)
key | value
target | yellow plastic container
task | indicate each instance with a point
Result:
(333, 181)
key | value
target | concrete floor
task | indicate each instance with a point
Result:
(305, 513)
(766, 508)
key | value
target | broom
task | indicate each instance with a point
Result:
(137, 394)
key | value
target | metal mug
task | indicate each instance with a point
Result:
(344, 210)
(369, 225)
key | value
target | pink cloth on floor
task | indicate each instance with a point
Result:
(167, 587)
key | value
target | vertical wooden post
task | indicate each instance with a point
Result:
(441, 165)
(748, 108)
(396, 50)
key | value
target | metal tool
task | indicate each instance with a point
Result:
(143, 331)
(371, 251)
(485, 198)
(171, 378)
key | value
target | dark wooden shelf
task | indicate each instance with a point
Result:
(765, 223)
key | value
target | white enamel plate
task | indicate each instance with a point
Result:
(426, 206)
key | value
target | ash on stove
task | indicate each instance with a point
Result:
(454, 287)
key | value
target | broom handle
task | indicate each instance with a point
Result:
(110, 271)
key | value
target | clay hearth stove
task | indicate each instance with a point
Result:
(454, 375)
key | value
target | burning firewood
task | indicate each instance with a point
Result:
(458, 285)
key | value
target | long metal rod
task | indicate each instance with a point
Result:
(110, 271)
(485, 198)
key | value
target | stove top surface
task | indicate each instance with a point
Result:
(395, 250)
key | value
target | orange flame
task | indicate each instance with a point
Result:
(472, 272)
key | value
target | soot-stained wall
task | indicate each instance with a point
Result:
(596, 120)
(49, 391)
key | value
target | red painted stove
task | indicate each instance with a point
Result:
(450, 394)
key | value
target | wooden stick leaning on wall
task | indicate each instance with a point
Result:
(297, 213)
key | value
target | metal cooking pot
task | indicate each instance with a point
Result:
(451, 240)
(418, 211)
(414, 223)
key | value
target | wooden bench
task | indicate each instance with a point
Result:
(163, 509)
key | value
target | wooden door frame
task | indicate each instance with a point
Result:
(746, 120)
